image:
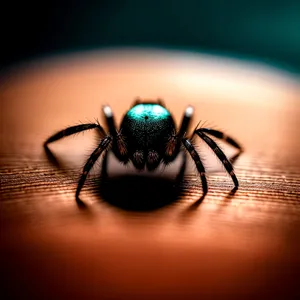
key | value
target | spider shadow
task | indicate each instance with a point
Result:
(139, 193)
(192, 209)
(55, 162)
(51, 157)
(130, 192)
(227, 198)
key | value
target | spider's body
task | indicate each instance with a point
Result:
(147, 128)
(147, 137)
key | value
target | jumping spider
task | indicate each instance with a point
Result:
(147, 137)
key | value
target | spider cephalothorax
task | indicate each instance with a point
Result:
(147, 137)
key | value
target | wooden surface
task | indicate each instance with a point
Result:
(230, 246)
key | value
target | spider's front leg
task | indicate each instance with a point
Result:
(119, 145)
(196, 158)
(104, 144)
(220, 154)
(72, 130)
(105, 141)
(228, 139)
(180, 137)
(221, 135)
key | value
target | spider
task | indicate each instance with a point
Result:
(147, 137)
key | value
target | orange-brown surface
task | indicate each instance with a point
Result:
(230, 246)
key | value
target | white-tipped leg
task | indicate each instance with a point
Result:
(107, 111)
(189, 111)
(188, 114)
(109, 116)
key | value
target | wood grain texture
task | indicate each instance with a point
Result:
(229, 246)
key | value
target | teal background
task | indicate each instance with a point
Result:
(261, 30)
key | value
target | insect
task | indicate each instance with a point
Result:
(147, 137)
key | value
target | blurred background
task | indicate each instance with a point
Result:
(263, 30)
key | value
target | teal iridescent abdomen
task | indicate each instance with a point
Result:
(148, 111)
(147, 126)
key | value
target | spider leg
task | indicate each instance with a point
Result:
(220, 154)
(110, 120)
(195, 156)
(187, 117)
(173, 144)
(180, 175)
(72, 130)
(136, 101)
(119, 145)
(105, 142)
(221, 135)
(161, 102)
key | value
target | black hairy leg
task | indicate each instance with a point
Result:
(219, 153)
(221, 135)
(195, 156)
(72, 130)
(105, 142)
(228, 139)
